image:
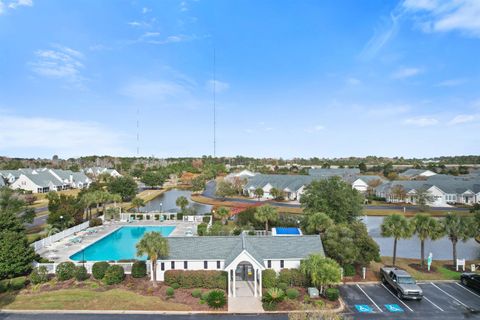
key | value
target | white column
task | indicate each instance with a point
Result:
(229, 287)
(260, 282)
(255, 282)
(234, 286)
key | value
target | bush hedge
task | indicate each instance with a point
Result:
(175, 285)
(202, 229)
(99, 269)
(207, 279)
(292, 293)
(349, 270)
(170, 291)
(17, 283)
(81, 273)
(114, 275)
(95, 222)
(269, 278)
(139, 269)
(65, 271)
(4, 286)
(283, 286)
(332, 294)
(292, 277)
(216, 299)
(196, 293)
(39, 275)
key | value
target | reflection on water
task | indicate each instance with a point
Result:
(166, 202)
(410, 248)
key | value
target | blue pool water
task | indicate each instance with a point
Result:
(118, 245)
(287, 231)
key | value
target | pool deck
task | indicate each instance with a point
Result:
(62, 250)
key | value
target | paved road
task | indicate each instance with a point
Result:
(42, 316)
(210, 193)
(441, 301)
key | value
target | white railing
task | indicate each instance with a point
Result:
(52, 267)
(59, 236)
(258, 232)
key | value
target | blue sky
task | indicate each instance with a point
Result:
(293, 78)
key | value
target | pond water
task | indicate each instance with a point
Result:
(410, 248)
(166, 202)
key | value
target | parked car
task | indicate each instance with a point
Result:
(402, 282)
(471, 280)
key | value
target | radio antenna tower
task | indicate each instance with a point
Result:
(138, 131)
(214, 108)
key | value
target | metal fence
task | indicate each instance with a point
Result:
(52, 267)
(40, 244)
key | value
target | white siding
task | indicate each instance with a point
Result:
(191, 265)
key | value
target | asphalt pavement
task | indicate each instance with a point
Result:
(66, 316)
(442, 300)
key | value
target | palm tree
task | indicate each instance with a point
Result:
(51, 230)
(317, 222)
(456, 228)
(138, 203)
(321, 271)
(425, 227)
(222, 213)
(87, 200)
(266, 213)
(182, 202)
(258, 193)
(155, 247)
(396, 226)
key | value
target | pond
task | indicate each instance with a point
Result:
(166, 202)
(410, 248)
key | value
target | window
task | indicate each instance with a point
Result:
(282, 264)
(162, 266)
(185, 264)
(269, 263)
(172, 265)
(205, 264)
(218, 264)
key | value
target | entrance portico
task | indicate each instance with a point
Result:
(244, 276)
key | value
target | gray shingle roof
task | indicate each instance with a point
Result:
(2, 183)
(292, 182)
(228, 248)
(412, 172)
(43, 178)
(333, 172)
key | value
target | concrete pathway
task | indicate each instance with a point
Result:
(244, 302)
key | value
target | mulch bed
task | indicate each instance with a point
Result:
(300, 304)
(419, 268)
(141, 286)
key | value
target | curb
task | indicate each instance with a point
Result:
(378, 282)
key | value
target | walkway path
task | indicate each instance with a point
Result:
(244, 302)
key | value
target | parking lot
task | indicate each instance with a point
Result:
(441, 300)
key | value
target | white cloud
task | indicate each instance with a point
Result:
(159, 90)
(219, 86)
(146, 10)
(445, 16)
(183, 6)
(406, 72)
(421, 121)
(463, 118)
(451, 83)
(63, 137)
(60, 62)
(316, 128)
(14, 4)
(154, 38)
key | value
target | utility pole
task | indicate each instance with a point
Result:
(214, 108)
(138, 131)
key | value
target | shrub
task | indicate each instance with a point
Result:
(95, 222)
(204, 296)
(170, 292)
(274, 295)
(39, 275)
(202, 229)
(3, 286)
(17, 283)
(292, 277)
(216, 299)
(283, 286)
(65, 271)
(269, 306)
(197, 293)
(98, 269)
(269, 278)
(332, 294)
(348, 270)
(175, 286)
(114, 275)
(237, 231)
(139, 269)
(208, 279)
(81, 273)
(292, 293)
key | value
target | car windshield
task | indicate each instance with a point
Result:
(406, 280)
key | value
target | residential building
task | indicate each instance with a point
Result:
(242, 257)
(291, 185)
(96, 171)
(363, 183)
(2, 182)
(416, 174)
(46, 180)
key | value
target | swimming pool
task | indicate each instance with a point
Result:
(283, 231)
(119, 245)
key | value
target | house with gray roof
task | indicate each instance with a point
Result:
(96, 171)
(10, 175)
(46, 180)
(417, 173)
(292, 186)
(2, 182)
(242, 257)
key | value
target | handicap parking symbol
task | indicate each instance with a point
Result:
(363, 308)
(393, 308)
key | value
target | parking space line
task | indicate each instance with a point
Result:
(397, 298)
(448, 294)
(433, 304)
(463, 287)
(369, 298)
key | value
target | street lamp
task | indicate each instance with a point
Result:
(61, 222)
(83, 256)
(161, 207)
